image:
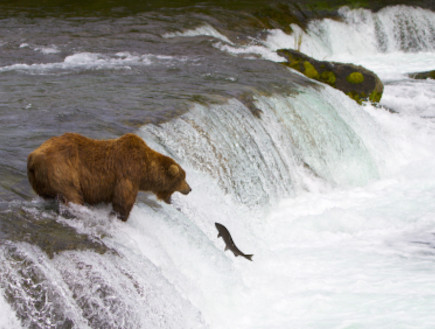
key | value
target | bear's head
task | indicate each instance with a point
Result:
(175, 182)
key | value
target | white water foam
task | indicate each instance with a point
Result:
(411, 97)
(87, 290)
(52, 49)
(92, 61)
(50, 293)
(332, 258)
(8, 318)
(352, 256)
(251, 51)
(203, 30)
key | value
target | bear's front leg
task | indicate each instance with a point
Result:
(124, 196)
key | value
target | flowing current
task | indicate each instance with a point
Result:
(334, 199)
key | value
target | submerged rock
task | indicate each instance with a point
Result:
(423, 75)
(355, 81)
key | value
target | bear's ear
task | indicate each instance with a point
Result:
(173, 170)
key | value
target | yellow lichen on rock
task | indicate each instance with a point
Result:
(328, 77)
(355, 77)
(310, 71)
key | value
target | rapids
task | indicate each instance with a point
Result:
(334, 199)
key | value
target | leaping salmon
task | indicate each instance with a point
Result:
(226, 236)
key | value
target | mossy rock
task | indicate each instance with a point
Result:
(310, 71)
(375, 96)
(355, 81)
(328, 77)
(423, 75)
(357, 97)
(355, 77)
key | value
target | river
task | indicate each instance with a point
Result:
(334, 199)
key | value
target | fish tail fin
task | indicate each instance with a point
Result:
(248, 257)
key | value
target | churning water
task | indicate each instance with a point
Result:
(334, 199)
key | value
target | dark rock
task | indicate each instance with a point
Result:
(39, 226)
(355, 81)
(423, 75)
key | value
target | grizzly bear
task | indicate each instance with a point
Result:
(77, 169)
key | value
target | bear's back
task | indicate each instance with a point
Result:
(76, 150)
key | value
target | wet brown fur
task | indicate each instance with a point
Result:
(81, 170)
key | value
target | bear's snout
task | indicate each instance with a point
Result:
(185, 188)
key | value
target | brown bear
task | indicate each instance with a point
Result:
(81, 170)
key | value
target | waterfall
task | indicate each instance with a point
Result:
(295, 140)
(361, 32)
(334, 199)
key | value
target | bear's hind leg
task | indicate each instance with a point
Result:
(71, 196)
(65, 199)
